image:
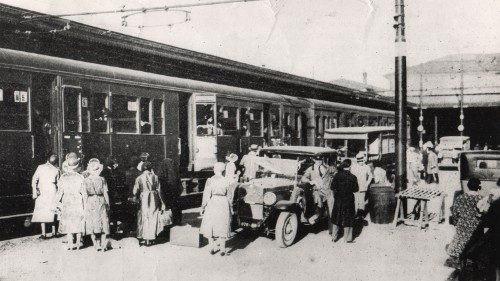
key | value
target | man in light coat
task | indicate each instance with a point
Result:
(432, 165)
(364, 176)
(248, 163)
(320, 175)
(44, 184)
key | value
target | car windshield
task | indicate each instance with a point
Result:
(483, 167)
(487, 169)
(275, 166)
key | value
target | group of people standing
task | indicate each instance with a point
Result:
(80, 200)
(422, 164)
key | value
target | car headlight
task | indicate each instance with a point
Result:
(269, 198)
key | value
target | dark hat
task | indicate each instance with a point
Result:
(473, 184)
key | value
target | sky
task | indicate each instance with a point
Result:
(319, 39)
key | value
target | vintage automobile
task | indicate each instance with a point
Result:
(449, 149)
(276, 201)
(378, 141)
(484, 165)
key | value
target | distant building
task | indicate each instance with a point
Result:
(439, 84)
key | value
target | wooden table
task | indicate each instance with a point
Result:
(422, 195)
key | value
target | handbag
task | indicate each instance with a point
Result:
(164, 219)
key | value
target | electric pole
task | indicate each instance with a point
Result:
(400, 96)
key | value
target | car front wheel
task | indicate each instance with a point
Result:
(286, 229)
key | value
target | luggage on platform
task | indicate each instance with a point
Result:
(186, 235)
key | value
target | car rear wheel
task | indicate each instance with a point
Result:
(286, 229)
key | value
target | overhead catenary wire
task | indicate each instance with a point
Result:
(131, 10)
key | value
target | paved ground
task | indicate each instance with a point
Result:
(378, 254)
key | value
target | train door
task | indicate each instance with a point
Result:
(71, 114)
(202, 131)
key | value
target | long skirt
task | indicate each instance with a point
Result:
(343, 212)
(217, 218)
(148, 225)
(72, 217)
(96, 215)
(45, 207)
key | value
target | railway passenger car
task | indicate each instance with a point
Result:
(55, 105)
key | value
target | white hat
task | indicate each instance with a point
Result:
(94, 166)
(232, 157)
(428, 144)
(71, 165)
(360, 156)
(253, 147)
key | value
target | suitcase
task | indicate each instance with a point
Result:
(186, 235)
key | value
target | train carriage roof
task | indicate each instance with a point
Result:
(45, 64)
(92, 44)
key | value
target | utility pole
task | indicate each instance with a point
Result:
(400, 95)
(420, 127)
(461, 101)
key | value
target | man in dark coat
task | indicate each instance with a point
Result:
(171, 187)
(344, 185)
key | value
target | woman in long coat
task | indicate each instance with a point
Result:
(147, 187)
(344, 185)
(217, 210)
(96, 204)
(71, 195)
(467, 217)
(44, 185)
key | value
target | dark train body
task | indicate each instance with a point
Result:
(54, 105)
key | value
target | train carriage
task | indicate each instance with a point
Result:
(55, 105)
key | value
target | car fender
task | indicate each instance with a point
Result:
(288, 206)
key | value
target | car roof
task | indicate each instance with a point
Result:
(455, 138)
(307, 150)
(359, 130)
(473, 153)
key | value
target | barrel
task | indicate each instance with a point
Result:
(382, 204)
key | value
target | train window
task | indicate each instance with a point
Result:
(245, 121)
(124, 114)
(158, 116)
(334, 122)
(318, 125)
(255, 117)
(298, 125)
(85, 110)
(275, 123)
(72, 109)
(205, 120)
(145, 115)
(227, 120)
(100, 113)
(14, 107)
(343, 119)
